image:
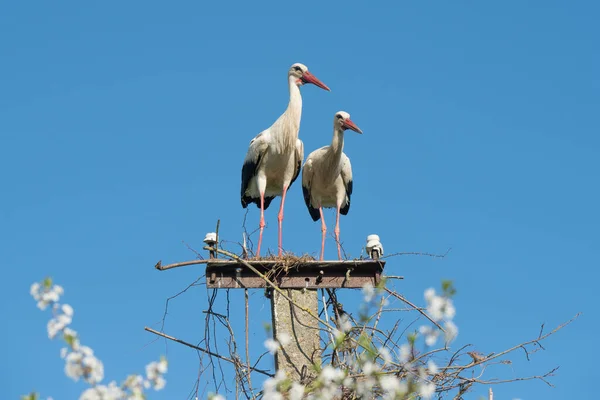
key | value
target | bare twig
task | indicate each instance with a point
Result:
(420, 310)
(260, 371)
(539, 338)
(161, 267)
(417, 253)
(246, 301)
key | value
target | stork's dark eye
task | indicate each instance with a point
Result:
(339, 117)
(297, 68)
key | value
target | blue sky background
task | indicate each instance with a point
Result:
(123, 128)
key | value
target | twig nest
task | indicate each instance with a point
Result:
(210, 238)
(373, 244)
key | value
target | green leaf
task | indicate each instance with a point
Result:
(366, 343)
(69, 339)
(412, 338)
(267, 327)
(285, 385)
(339, 340)
(316, 367)
(448, 288)
(47, 282)
(381, 284)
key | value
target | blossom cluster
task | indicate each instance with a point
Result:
(332, 382)
(441, 310)
(133, 387)
(80, 361)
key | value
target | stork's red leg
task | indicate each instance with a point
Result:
(323, 230)
(337, 233)
(280, 219)
(262, 222)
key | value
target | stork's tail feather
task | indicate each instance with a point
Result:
(256, 200)
(344, 210)
(314, 213)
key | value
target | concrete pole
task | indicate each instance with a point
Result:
(297, 357)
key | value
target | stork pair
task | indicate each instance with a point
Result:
(275, 157)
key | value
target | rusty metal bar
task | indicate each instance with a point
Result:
(307, 274)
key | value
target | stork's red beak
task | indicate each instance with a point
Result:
(307, 77)
(348, 124)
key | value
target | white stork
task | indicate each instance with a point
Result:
(327, 178)
(275, 155)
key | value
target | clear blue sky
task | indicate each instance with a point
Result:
(124, 125)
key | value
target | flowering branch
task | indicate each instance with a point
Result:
(80, 361)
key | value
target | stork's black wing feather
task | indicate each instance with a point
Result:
(254, 156)
(248, 171)
(299, 154)
(348, 184)
(344, 210)
(298, 167)
(314, 213)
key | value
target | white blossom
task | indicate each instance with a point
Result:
(53, 328)
(439, 307)
(154, 372)
(271, 345)
(433, 369)
(67, 310)
(102, 392)
(136, 383)
(162, 366)
(273, 396)
(435, 308)
(329, 375)
(385, 354)
(449, 311)
(429, 294)
(51, 296)
(451, 331)
(270, 386)
(344, 322)
(151, 371)
(368, 292)
(34, 290)
(73, 368)
(364, 388)
(159, 383)
(370, 368)
(390, 384)
(70, 332)
(431, 334)
(405, 352)
(94, 369)
(296, 391)
(284, 338)
(426, 389)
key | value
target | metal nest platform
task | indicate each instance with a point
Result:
(309, 274)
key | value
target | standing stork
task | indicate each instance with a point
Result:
(275, 155)
(327, 178)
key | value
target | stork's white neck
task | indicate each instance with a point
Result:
(337, 145)
(294, 109)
